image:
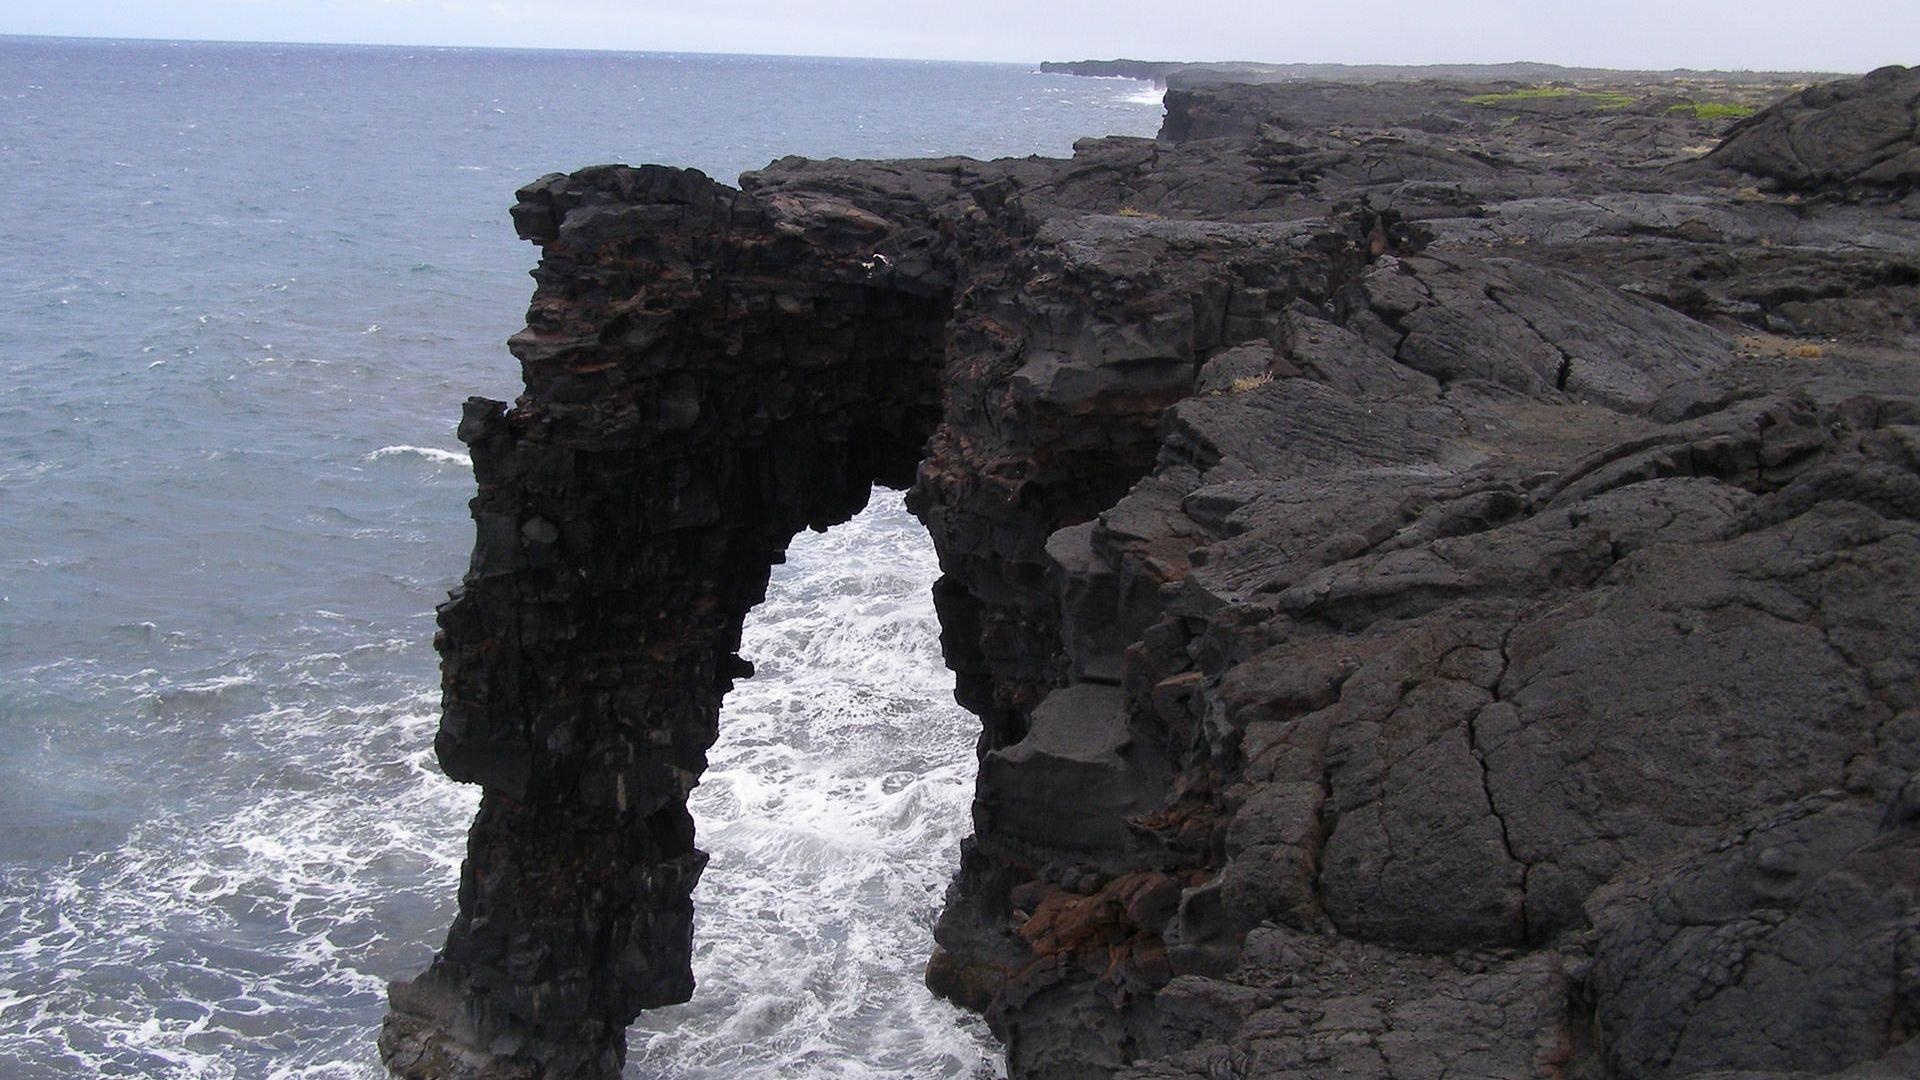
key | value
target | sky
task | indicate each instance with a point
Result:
(1834, 35)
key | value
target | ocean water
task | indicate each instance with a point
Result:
(245, 289)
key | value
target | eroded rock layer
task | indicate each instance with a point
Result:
(1439, 576)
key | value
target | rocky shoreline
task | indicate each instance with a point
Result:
(1437, 566)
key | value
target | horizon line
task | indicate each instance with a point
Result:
(1035, 64)
(109, 38)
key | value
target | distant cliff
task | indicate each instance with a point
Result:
(1437, 567)
(1177, 73)
(1155, 70)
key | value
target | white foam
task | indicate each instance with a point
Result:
(430, 454)
(219, 684)
(832, 809)
(253, 926)
(249, 930)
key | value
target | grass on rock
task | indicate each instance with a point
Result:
(1537, 95)
(1711, 110)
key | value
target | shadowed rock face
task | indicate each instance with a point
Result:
(1432, 607)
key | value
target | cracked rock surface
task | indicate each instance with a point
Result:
(1440, 582)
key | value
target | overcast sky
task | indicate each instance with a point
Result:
(1834, 35)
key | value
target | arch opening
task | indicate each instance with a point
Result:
(832, 811)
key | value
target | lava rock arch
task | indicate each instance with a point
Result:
(706, 375)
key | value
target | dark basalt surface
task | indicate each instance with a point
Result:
(1440, 582)
(1841, 136)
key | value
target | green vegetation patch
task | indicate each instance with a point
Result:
(1711, 110)
(1537, 95)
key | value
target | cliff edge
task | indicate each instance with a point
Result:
(1437, 566)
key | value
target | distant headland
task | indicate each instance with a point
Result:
(1176, 73)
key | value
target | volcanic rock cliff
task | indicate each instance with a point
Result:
(1438, 569)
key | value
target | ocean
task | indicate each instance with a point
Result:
(246, 288)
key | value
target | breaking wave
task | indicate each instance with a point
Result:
(429, 454)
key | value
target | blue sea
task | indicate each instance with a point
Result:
(245, 289)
